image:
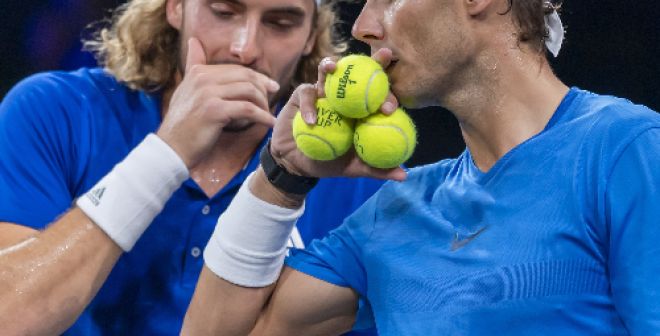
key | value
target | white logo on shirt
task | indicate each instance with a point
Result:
(96, 195)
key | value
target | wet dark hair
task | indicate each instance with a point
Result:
(528, 15)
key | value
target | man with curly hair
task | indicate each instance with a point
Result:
(81, 269)
(547, 224)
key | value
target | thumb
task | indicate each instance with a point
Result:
(196, 54)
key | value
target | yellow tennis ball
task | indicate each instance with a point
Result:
(358, 87)
(329, 138)
(384, 141)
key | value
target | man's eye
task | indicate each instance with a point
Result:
(221, 10)
(282, 24)
(224, 14)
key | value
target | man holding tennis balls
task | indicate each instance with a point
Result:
(547, 224)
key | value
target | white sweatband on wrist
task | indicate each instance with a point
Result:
(126, 201)
(249, 243)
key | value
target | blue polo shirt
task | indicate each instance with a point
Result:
(560, 237)
(61, 132)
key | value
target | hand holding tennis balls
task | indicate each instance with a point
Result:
(303, 105)
(357, 88)
(287, 154)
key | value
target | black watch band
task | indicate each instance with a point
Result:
(281, 178)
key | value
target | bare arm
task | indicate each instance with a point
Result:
(47, 278)
(304, 305)
(299, 305)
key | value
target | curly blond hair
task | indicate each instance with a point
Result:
(139, 47)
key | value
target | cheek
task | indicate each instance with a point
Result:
(427, 31)
(284, 65)
(283, 53)
(431, 48)
(214, 35)
(414, 41)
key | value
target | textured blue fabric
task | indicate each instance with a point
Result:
(560, 237)
(61, 132)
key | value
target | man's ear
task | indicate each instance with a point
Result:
(174, 12)
(476, 7)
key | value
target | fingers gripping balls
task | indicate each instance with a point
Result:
(356, 90)
(358, 87)
(331, 136)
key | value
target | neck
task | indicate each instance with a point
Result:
(512, 99)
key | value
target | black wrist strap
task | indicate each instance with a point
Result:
(281, 178)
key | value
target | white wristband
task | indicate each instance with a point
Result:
(127, 200)
(249, 243)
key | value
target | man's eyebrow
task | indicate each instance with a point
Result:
(286, 10)
(289, 10)
(238, 3)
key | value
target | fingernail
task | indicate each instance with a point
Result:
(309, 119)
(388, 107)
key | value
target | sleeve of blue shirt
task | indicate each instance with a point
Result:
(35, 145)
(632, 210)
(337, 258)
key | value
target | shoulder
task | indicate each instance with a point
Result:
(605, 128)
(607, 125)
(59, 92)
(62, 84)
(615, 117)
(85, 87)
(87, 98)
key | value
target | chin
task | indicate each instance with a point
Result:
(403, 96)
(412, 95)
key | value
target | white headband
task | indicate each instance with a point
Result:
(555, 33)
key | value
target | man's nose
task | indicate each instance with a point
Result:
(245, 45)
(367, 27)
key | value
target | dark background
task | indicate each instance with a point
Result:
(611, 47)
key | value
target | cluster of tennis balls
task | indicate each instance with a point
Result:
(349, 116)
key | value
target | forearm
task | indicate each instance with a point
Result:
(222, 308)
(47, 281)
(290, 308)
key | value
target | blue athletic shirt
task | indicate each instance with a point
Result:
(61, 132)
(560, 237)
